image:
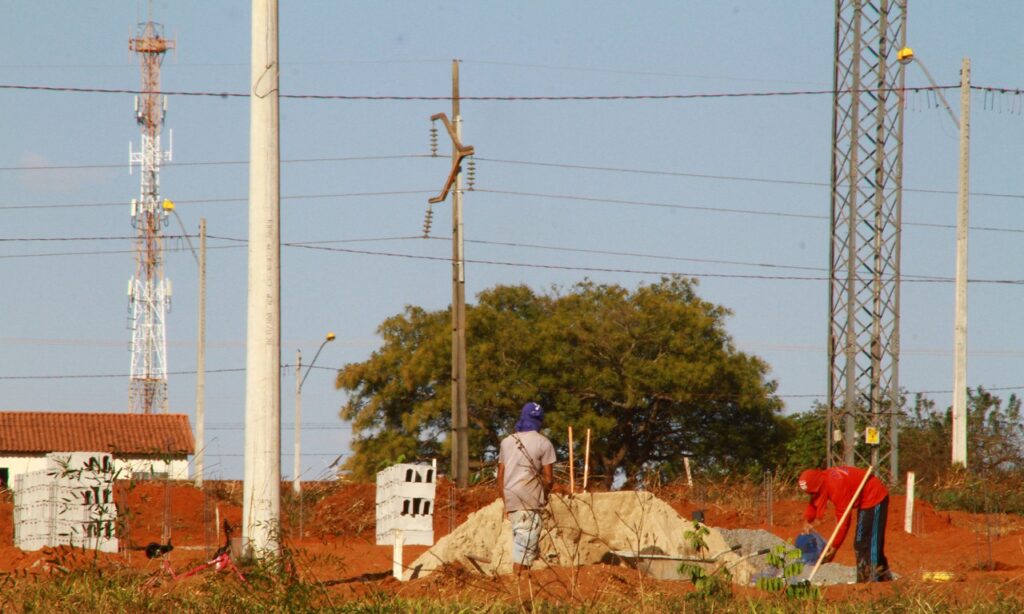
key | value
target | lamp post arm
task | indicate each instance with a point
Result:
(312, 362)
(945, 103)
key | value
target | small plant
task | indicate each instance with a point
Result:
(716, 585)
(695, 538)
(788, 565)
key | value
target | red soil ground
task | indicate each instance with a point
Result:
(337, 544)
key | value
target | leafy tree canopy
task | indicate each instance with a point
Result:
(651, 372)
(995, 436)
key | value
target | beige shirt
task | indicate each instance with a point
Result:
(524, 455)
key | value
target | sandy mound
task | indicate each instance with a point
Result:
(584, 529)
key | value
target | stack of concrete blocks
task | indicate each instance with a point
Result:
(70, 503)
(405, 502)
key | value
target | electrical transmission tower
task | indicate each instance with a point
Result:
(149, 293)
(864, 272)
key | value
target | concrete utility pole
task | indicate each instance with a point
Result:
(201, 361)
(960, 324)
(460, 417)
(261, 506)
(963, 124)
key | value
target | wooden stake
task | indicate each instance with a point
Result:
(846, 514)
(397, 560)
(572, 479)
(908, 517)
(586, 462)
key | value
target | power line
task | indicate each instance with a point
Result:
(106, 238)
(101, 252)
(769, 213)
(323, 245)
(239, 455)
(105, 375)
(237, 199)
(229, 64)
(319, 426)
(590, 97)
(237, 244)
(284, 368)
(904, 278)
(633, 254)
(637, 171)
(654, 204)
(638, 73)
(64, 167)
(563, 165)
(571, 197)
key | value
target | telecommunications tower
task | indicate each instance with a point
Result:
(149, 293)
(864, 268)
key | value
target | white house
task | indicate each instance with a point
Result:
(142, 445)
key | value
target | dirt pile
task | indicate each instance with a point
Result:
(633, 528)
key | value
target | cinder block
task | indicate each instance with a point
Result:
(417, 490)
(411, 538)
(100, 462)
(32, 543)
(402, 506)
(414, 523)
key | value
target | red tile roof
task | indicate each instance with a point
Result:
(122, 434)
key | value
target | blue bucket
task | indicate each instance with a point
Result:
(811, 545)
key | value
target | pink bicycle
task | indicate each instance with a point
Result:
(220, 562)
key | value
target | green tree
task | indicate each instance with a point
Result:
(995, 436)
(651, 372)
(806, 448)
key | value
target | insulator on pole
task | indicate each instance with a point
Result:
(433, 139)
(428, 221)
(471, 174)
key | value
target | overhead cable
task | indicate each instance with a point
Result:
(588, 97)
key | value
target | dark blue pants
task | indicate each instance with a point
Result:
(869, 544)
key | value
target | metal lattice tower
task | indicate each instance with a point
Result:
(149, 293)
(864, 273)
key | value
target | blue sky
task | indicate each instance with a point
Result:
(738, 162)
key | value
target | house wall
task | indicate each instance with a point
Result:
(16, 465)
(174, 468)
(141, 468)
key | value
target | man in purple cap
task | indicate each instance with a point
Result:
(525, 477)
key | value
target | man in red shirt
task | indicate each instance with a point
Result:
(838, 485)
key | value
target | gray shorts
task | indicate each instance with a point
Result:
(525, 536)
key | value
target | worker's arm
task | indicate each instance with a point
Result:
(501, 483)
(814, 510)
(549, 478)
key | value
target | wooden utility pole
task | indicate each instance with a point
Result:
(201, 360)
(460, 418)
(297, 467)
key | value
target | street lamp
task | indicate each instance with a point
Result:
(296, 482)
(959, 443)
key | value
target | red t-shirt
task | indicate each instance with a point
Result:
(838, 486)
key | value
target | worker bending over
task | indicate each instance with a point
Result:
(838, 485)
